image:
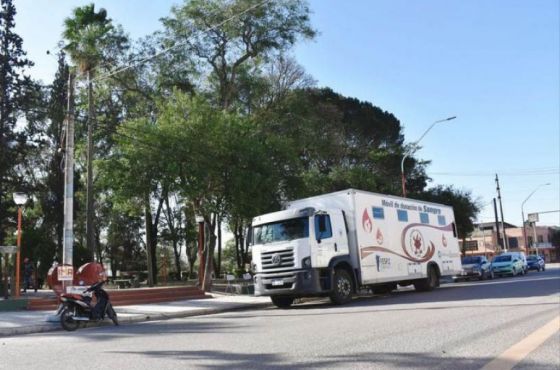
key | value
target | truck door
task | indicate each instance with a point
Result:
(330, 236)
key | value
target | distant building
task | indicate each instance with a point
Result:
(484, 241)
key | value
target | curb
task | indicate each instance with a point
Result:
(138, 318)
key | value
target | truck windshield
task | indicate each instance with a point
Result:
(285, 230)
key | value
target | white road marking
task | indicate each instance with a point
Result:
(516, 353)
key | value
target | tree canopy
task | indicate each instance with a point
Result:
(218, 121)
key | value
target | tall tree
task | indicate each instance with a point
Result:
(52, 199)
(90, 38)
(223, 43)
(222, 37)
(14, 89)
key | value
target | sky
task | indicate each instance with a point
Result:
(495, 64)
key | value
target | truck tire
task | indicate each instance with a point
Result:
(429, 283)
(282, 301)
(342, 287)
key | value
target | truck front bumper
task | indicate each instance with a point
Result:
(294, 283)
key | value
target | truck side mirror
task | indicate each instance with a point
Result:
(250, 235)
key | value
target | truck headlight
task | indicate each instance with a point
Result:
(253, 267)
(306, 262)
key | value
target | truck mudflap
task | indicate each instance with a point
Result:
(298, 283)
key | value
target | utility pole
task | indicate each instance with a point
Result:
(535, 245)
(506, 246)
(68, 245)
(90, 238)
(500, 241)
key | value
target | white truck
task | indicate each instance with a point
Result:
(336, 244)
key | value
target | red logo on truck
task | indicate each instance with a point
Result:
(416, 243)
(366, 222)
(379, 237)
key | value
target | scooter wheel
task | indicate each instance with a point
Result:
(67, 321)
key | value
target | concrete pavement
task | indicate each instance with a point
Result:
(28, 322)
(460, 326)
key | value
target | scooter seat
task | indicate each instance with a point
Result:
(72, 296)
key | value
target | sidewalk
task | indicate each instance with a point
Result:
(27, 322)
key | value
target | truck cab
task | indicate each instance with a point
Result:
(294, 252)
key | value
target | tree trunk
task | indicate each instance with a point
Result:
(174, 236)
(219, 264)
(149, 250)
(177, 255)
(209, 252)
(191, 267)
(244, 248)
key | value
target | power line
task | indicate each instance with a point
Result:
(166, 50)
(534, 172)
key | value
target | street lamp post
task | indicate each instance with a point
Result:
(523, 213)
(20, 199)
(413, 148)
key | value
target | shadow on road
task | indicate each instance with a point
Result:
(532, 285)
(231, 360)
(153, 328)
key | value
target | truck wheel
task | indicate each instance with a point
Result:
(429, 283)
(342, 287)
(282, 301)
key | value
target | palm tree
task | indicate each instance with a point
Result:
(89, 35)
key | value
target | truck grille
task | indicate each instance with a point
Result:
(277, 259)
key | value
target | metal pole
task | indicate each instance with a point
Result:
(68, 233)
(413, 148)
(403, 179)
(535, 239)
(523, 214)
(89, 191)
(524, 231)
(483, 240)
(502, 214)
(500, 241)
(18, 254)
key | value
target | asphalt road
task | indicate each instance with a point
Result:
(459, 326)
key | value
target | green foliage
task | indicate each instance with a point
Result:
(16, 100)
(257, 33)
(226, 126)
(339, 142)
(91, 37)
